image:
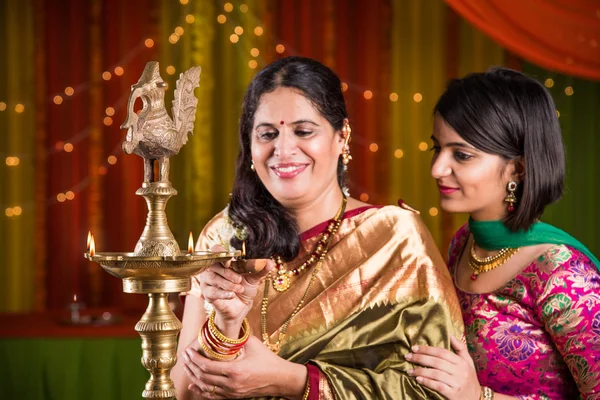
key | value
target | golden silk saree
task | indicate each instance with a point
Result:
(382, 288)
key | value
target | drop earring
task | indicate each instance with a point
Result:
(511, 199)
(346, 133)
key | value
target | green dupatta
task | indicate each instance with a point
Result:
(494, 235)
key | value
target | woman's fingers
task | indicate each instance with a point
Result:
(212, 278)
(227, 274)
(434, 374)
(430, 361)
(256, 278)
(206, 375)
(437, 352)
(461, 349)
(439, 387)
(213, 293)
(206, 391)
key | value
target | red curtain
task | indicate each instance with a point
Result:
(561, 35)
(81, 40)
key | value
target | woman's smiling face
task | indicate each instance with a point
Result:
(295, 150)
(469, 180)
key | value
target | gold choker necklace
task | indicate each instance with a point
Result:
(485, 264)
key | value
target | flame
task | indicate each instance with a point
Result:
(75, 298)
(92, 246)
(89, 238)
(191, 243)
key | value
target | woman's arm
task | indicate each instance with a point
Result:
(194, 316)
(450, 374)
(568, 303)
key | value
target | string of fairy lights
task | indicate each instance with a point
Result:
(115, 71)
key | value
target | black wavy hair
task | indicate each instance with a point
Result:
(271, 228)
(504, 112)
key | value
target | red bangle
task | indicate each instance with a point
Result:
(206, 337)
(219, 343)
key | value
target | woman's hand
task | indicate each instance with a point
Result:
(230, 293)
(452, 375)
(256, 372)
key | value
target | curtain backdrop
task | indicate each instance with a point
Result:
(560, 35)
(65, 76)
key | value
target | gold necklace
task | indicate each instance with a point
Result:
(282, 281)
(275, 347)
(485, 264)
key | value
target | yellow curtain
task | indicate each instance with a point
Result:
(417, 80)
(419, 64)
(203, 172)
(17, 182)
(477, 53)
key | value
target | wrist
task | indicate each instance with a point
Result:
(229, 327)
(292, 381)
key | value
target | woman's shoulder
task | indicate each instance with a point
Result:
(396, 218)
(403, 214)
(457, 244)
(217, 231)
(401, 222)
(564, 259)
(461, 236)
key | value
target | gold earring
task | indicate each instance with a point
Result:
(346, 133)
(252, 166)
(511, 199)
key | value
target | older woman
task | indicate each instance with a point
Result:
(348, 287)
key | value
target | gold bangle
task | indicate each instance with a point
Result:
(307, 390)
(215, 331)
(486, 393)
(213, 354)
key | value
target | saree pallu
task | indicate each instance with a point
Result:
(382, 288)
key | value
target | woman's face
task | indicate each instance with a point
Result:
(469, 180)
(294, 148)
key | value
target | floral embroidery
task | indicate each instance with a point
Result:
(538, 337)
(559, 309)
(513, 341)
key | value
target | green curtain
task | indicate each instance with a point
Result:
(577, 212)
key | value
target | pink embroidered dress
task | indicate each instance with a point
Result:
(537, 337)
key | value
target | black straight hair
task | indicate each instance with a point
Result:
(506, 113)
(270, 227)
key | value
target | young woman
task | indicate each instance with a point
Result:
(353, 287)
(529, 292)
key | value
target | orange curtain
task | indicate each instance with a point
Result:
(560, 35)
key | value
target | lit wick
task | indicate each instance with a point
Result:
(92, 246)
(75, 306)
(191, 244)
(89, 239)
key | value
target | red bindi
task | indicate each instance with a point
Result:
(281, 122)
